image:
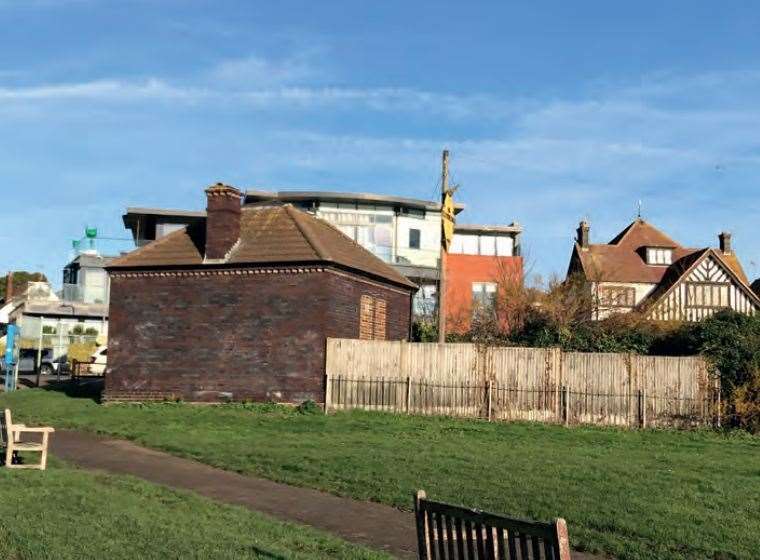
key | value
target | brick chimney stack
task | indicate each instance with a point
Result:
(222, 220)
(9, 286)
(725, 243)
(584, 234)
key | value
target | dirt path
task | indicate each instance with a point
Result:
(373, 525)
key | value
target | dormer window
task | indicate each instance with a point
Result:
(659, 256)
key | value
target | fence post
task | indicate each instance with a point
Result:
(490, 399)
(566, 404)
(328, 392)
(408, 393)
(642, 408)
(720, 408)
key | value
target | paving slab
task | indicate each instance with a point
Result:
(374, 525)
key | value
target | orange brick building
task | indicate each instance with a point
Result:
(481, 263)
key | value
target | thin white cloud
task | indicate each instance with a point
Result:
(259, 72)
(104, 90)
(383, 99)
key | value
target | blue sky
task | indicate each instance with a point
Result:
(553, 111)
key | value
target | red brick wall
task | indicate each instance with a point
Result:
(462, 271)
(344, 319)
(233, 336)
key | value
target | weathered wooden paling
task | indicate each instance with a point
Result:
(535, 384)
(446, 532)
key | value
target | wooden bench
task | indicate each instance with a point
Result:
(446, 532)
(11, 436)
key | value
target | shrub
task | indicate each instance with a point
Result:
(745, 400)
(81, 351)
(309, 407)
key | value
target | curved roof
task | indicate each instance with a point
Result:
(254, 196)
(268, 235)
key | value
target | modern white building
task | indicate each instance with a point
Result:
(85, 279)
(404, 232)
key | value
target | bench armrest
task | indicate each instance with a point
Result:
(25, 430)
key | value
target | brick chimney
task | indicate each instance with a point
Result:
(725, 243)
(584, 234)
(9, 286)
(222, 220)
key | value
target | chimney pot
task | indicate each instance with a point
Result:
(725, 242)
(584, 234)
(9, 286)
(222, 220)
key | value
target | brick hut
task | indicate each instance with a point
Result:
(239, 306)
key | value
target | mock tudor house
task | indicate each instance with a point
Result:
(237, 305)
(645, 270)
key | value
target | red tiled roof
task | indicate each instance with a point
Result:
(624, 258)
(268, 235)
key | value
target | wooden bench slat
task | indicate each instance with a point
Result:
(441, 540)
(469, 532)
(523, 546)
(536, 542)
(481, 544)
(512, 536)
(491, 541)
(460, 538)
(548, 550)
(450, 538)
(431, 535)
(501, 543)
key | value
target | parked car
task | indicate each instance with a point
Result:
(27, 362)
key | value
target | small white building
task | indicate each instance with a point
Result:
(643, 269)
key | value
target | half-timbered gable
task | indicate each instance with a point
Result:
(642, 269)
(708, 287)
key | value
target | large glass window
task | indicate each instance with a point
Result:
(487, 245)
(372, 231)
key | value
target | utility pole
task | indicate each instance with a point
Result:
(442, 272)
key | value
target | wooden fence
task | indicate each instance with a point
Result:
(537, 384)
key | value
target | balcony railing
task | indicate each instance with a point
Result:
(84, 294)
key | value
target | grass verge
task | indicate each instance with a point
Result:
(632, 494)
(64, 513)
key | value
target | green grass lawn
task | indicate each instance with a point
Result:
(64, 513)
(635, 495)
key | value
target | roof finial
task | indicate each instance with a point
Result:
(639, 214)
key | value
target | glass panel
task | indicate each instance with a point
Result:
(414, 238)
(470, 244)
(505, 246)
(457, 244)
(487, 245)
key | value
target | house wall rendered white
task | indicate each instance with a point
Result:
(641, 290)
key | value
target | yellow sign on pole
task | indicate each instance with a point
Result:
(447, 218)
